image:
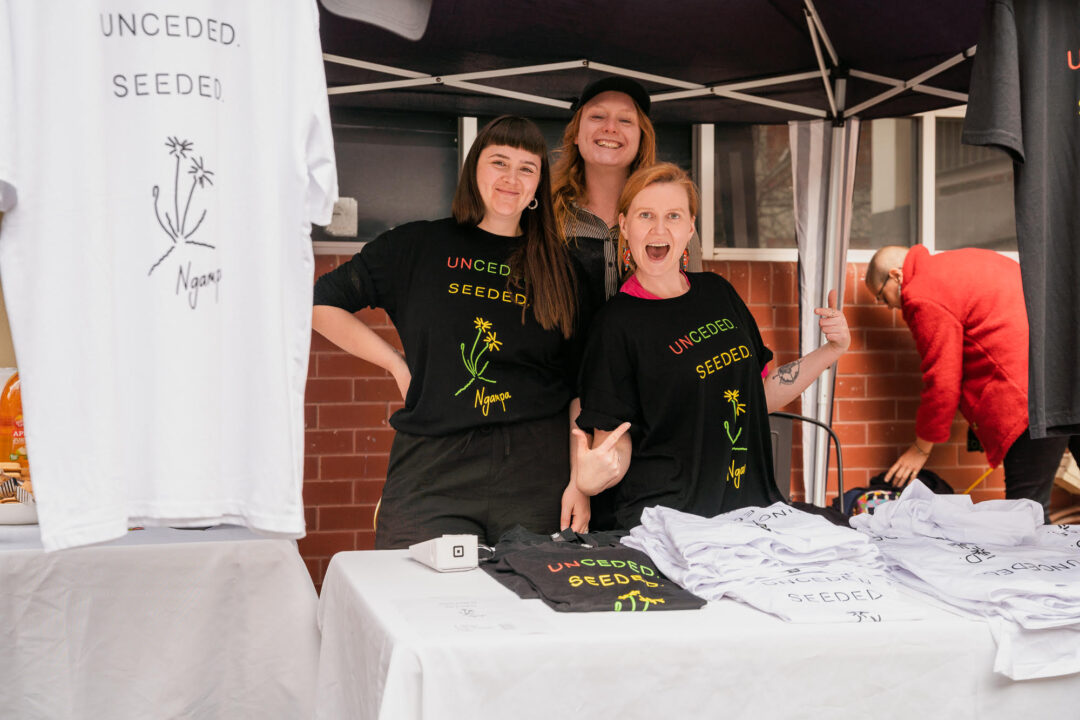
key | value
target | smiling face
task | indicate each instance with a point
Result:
(507, 178)
(609, 133)
(657, 227)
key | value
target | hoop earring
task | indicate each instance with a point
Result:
(534, 204)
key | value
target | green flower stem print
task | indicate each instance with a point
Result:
(490, 343)
(737, 408)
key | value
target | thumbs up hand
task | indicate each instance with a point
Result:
(834, 325)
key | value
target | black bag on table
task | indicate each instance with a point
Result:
(864, 499)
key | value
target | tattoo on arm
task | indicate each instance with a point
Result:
(787, 374)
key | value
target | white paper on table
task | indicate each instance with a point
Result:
(453, 614)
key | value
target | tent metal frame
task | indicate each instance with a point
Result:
(463, 81)
(684, 88)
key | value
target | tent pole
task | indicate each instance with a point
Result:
(812, 29)
(926, 89)
(741, 85)
(705, 172)
(466, 134)
(917, 80)
(648, 77)
(363, 64)
(833, 279)
(813, 13)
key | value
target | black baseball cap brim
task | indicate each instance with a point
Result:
(614, 83)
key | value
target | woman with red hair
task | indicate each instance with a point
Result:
(671, 382)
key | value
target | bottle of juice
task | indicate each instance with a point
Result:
(12, 435)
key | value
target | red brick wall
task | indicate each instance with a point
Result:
(349, 402)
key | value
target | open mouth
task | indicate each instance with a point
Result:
(657, 251)
(609, 144)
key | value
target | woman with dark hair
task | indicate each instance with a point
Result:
(607, 139)
(486, 306)
(672, 384)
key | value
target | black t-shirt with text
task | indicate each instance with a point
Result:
(474, 362)
(1025, 99)
(584, 573)
(686, 372)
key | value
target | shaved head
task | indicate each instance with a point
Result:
(884, 260)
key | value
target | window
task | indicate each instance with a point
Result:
(973, 193)
(883, 205)
(754, 206)
(753, 198)
(399, 167)
(914, 181)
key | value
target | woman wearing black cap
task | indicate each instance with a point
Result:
(608, 138)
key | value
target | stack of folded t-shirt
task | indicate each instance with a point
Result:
(584, 573)
(778, 559)
(1058, 537)
(993, 560)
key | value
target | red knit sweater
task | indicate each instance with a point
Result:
(966, 311)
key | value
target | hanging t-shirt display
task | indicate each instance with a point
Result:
(686, 372)
(472, 359)
(160, 167)
(1025, 99)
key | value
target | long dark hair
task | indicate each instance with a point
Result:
(541, 265)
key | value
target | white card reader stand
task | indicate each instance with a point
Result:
(448, 553)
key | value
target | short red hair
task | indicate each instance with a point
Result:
(655, 175)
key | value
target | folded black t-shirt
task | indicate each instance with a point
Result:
(575, 575)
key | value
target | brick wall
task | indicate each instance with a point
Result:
(349, 402)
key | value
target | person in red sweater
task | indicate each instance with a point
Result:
(965, 309)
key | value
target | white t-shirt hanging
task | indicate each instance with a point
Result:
(161, 164)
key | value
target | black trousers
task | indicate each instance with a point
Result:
(1030, 466)
(482, 482)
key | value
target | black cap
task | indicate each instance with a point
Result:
(616, 83)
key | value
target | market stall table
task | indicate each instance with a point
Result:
(403, 642)
(160, 623)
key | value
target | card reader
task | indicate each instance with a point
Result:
(448, 553)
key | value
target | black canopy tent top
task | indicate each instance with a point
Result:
(703, 61)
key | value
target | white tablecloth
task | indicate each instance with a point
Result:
(401, 641)
(158, 624)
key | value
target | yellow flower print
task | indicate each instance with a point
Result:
(732, 396)
(472, 362)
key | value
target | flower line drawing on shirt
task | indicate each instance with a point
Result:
(633, 597)
(175, 225)
(737, 408)
(491, 342)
